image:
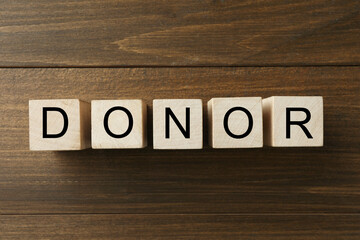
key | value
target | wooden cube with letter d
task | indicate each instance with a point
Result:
(59, 124)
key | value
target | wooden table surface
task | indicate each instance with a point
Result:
(180, 49)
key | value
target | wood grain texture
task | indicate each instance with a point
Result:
(207, 227)
(179, 33)
(145, 181)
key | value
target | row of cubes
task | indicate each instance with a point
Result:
(236, 122)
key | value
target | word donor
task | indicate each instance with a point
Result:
(237, 122)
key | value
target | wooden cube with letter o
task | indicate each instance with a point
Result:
(235, 122)
(118, 124)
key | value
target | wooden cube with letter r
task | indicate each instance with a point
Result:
(59, 124)
(294, 121)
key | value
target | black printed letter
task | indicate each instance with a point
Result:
(299, 123)
(169, 113)
(106, 122)
(226, 119)
(66, 122)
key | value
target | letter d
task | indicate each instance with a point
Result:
(66, 122)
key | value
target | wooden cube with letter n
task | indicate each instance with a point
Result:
(178, 124)
(235, 122)
(294, 121)
(118, 123)
(62, 124)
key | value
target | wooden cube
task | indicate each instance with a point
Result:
(235, 122)
(293, 121)
(62, 124)
(118, 124)
(177, 124)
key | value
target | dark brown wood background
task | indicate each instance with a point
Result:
(180, 49)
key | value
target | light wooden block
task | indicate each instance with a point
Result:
(190, 133)
(75, 137)
(118, 124)
(305, 115)
(235, 122)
